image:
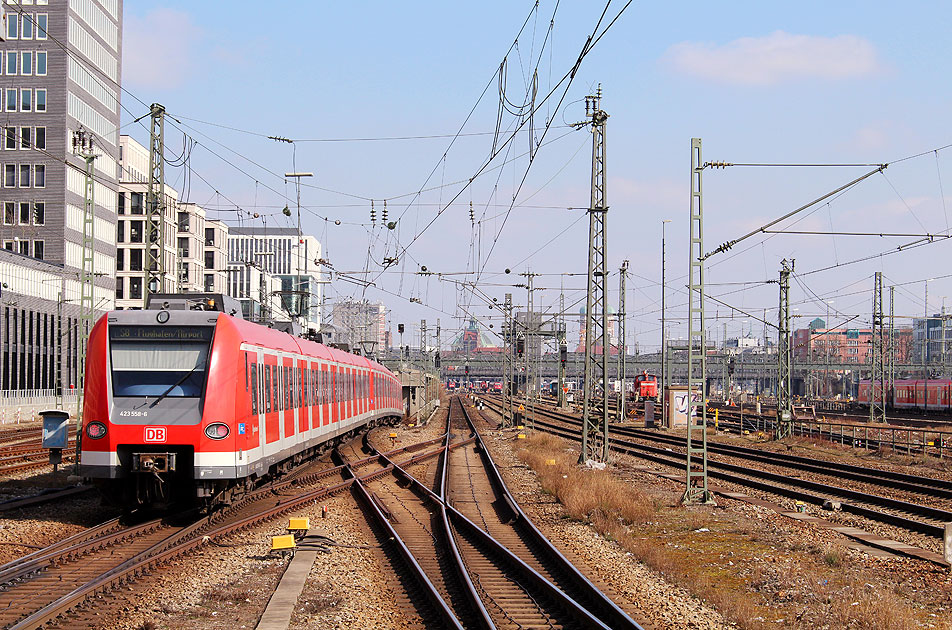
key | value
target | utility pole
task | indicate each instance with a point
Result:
(696, 490)
(154, 281)
(563, 352)
(508, 336)
(83, 147)
(303, 295)
(423, 357)
(784, 355)
(595, 428)
(891, 355)
(622, 274)
(877, 399)
(529, 335)
(664, 337)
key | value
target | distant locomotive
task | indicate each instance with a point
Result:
(185, 404)
(646, 385)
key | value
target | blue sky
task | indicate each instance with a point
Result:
(818, 82)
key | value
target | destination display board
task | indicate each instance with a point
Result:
(161, 333)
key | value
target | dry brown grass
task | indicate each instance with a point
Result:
(768, 583)
(587, 495)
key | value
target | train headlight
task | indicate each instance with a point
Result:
(217, 431)
(95, 430)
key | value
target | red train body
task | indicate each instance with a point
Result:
(932, 394)
(181, 404)
(646, 385)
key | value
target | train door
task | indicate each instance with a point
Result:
(326, 412)
(272, 427)
(334, 394)
(300, 392)
(256, 439)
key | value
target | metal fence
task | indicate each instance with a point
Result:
(18, 406)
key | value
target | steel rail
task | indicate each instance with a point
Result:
(665, 457)
(182, 542)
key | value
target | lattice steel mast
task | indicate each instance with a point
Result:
(891, 353)
(594, 421)
(563, 352)
(622, 274)
(877, 385)
(155, 208)
(509, 377)
(696, 490)
(83, 146)
(784, 355)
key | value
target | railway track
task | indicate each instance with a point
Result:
(50, 584)
(47, 496)
(468, 551)
(905, 514)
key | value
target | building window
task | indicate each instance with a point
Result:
(10, 175)
(209, 260)
(11, 63)
(8, 245)
(26, 28)
(39, 213)
(120, 285)
(41, 63)
(136, 206)
(135, 260)
(25, 172)
(120, 232)
(39, 137)
(209, 237)
(41, 100)
(9, 213)
(13, 23)
(26, 137)
(25, 248)
(42, 22)
(135, 288)
(183, 222)
(120, 258)
(24, 213)
(11, 99)
(26, 63)
(10, 138)
(121, 204)
(39, 176)
(209, 282)
(26, 100)
(135, 231)
(38, 249)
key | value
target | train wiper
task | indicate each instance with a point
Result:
(176, 384)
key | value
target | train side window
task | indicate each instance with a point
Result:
(254, 390)
(246, 366)
(267, 388)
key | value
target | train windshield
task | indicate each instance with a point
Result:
(159, 361)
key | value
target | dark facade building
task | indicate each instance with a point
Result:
(60, 73)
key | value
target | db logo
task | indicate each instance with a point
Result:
(154, 434)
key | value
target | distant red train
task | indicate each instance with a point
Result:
(185, 404)
(646, 385)
(927, 395)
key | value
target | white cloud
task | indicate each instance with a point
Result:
(776, 58)
(158, 49)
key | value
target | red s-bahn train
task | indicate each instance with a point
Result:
(927, 395)
(196, 405)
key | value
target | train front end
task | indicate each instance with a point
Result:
(146, 378)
